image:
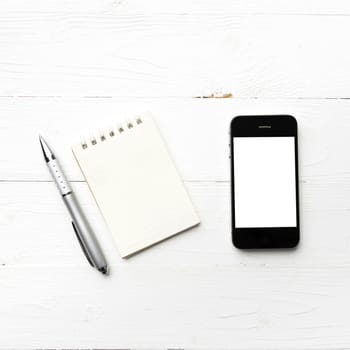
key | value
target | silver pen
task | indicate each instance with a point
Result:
(82, 229)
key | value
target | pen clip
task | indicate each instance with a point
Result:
(82, 245)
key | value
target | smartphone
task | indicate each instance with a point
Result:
(264, 182)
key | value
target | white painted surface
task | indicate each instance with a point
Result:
(71, 66)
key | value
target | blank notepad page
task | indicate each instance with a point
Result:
(136, 185)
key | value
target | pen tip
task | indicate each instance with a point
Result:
(41, 140)
(48, 154)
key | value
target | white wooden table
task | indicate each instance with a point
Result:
(71, 66)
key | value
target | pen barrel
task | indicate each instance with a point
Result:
(83, 229)
(58, 175)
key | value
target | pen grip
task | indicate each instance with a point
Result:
(84, 232)
(58, 175)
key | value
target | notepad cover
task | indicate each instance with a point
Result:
(136, 186)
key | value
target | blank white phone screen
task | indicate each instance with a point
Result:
(264, 182)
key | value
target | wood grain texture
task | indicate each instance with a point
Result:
(116, 53)
(70, 68)
(309, 7)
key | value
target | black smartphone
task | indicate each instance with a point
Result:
(264, 182)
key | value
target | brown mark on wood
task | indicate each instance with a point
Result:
(226, 95)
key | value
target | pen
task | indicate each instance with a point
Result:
(82, 229)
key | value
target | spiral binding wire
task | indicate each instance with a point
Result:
(112, 132)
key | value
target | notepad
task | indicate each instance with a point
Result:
(136, 185)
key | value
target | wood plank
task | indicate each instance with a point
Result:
(175, 308)
(196, 132)
(173, 54)
(338, 7)
(192, 291)
(37, 229)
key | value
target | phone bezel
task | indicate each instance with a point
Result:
(264, 237)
